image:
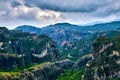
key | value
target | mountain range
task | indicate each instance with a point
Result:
(71, 52)
(73, 41)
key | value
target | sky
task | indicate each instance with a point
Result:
(45, 12)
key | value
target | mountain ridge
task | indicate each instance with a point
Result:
(66, 35)
(17, 42)
(66, 23)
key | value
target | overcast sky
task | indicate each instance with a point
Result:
(43, 12)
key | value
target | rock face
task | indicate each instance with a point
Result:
(19, 49)
(7, 61)
(106, 61)
(48, 71)
(80, 63)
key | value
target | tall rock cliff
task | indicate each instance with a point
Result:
(19, 49)
(106, 62)
(25, 56)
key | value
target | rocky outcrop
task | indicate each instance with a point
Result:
(7, 62)
(81, 62)
(48, 71)
(25, 56)
(45, 71)
(23, 49)
(105, 64)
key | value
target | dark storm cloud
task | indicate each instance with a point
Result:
(65, 6)
(82, 6)
(15, 3)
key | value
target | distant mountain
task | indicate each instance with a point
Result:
(69, 32)
(28, 28)
(96, 27)
(67, 35)
(63, 34)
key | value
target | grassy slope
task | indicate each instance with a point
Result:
(16, 72)
(70, 75)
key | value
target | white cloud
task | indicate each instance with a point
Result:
(25, 14)
(43, 12)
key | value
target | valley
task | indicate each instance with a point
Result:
(61, 51)
(59, 39)
(73, 41)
